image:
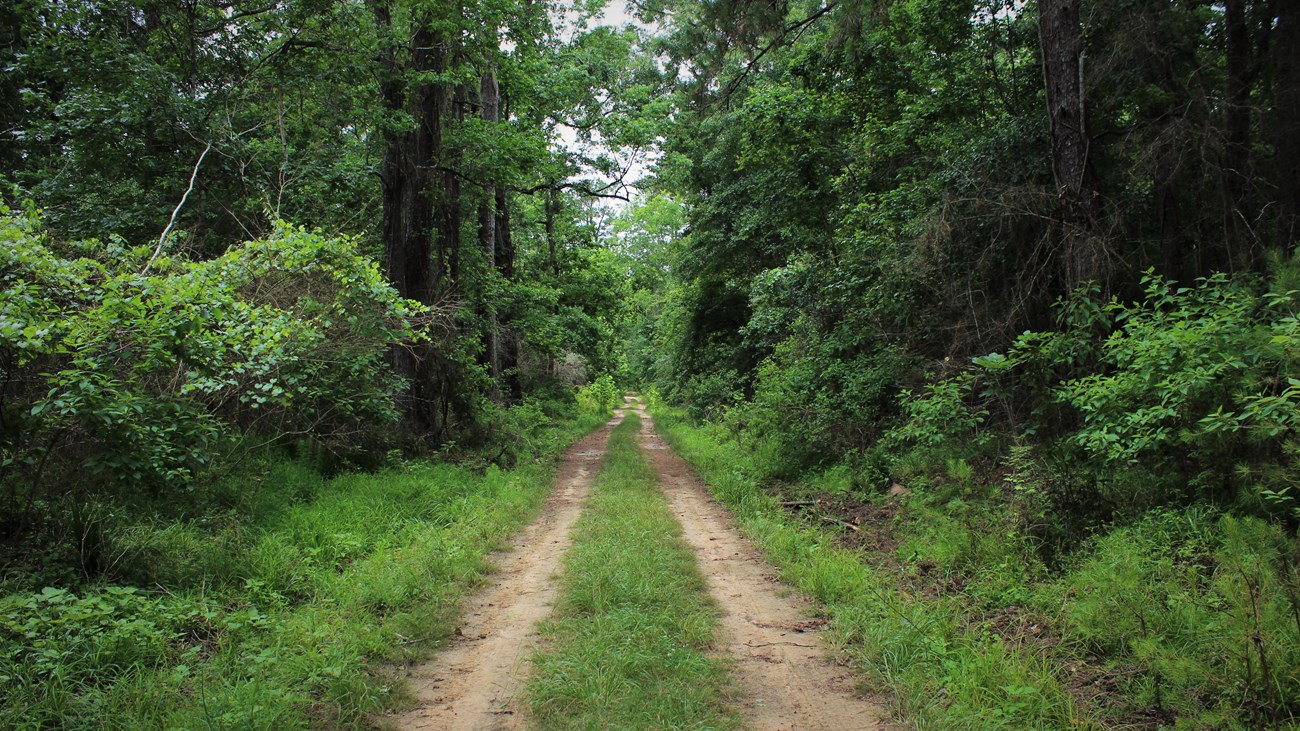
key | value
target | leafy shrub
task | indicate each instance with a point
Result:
(943, 415)
(1183, 395)
(57, 641)
(599, 396)
(146, 378)
(820, 395)
(1204, 604)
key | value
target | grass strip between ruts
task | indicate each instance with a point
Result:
(628, 646)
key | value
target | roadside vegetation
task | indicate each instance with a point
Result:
(995, 365)
(278, 599)
(942, 594)
(629, 644)
(995, 350)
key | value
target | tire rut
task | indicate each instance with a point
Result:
(787, 682)
(474, 683)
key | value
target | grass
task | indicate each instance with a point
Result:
(285, 610)
(943, 672)
(1185, 618)
(628, 646)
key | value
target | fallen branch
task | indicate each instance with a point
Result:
(836, 521)
(797, 503)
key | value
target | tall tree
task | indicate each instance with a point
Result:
(421, 224)
(1061, 37)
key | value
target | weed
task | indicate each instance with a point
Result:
(279, 611)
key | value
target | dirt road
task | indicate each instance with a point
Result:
(785, 680)
(781, 663)
(473, 684)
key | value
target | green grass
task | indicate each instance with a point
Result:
(286, 611)
(942, 672)
(628, 646)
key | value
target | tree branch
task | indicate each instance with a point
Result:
(785, 32)
(175, 212)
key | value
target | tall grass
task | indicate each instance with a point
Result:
(286, 610)
(943, 672)
(628, 647)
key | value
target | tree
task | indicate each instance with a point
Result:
(1083, 255)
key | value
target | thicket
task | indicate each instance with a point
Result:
(445, 281)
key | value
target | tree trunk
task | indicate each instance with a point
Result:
(1238, 238)
(508, 345)
(414, 207)
(1286, 120)
(1061, 37)
(552, 207)
(489, 100)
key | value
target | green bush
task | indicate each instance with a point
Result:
(1206, 606)
(599, 396)
(1184, 395)
(283, 611)
(128, 381)
(144, 377)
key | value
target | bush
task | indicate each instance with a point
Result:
(599, 396)
(147, 378)
(1184, 396)
(1204, 604)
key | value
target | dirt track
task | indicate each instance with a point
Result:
(781, 666)
(781, 663)
(473, 684)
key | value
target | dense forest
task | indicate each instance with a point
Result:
(981, 316)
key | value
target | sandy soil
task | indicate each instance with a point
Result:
(473, 684)
(786, 680)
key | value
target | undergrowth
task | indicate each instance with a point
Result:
(1184, 618)
(628, 645)
(283, 606)
(944, 673)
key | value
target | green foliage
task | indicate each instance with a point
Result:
(1184, 396)
(280, 610)
(945, 669)
(600, 396)
(942, 416)
(1186, 615)
(148, 377)
(1204, 604)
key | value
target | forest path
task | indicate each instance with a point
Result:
(475, 683)
(781, 666)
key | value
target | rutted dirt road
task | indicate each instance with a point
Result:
(781, 662)
(786, 682)
(474, 683)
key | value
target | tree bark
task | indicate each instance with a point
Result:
(1241, 251)
(1286, 120)
(414, 206)
(489, 101)
(552, 207)
(508, 345)
(1061, 37)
